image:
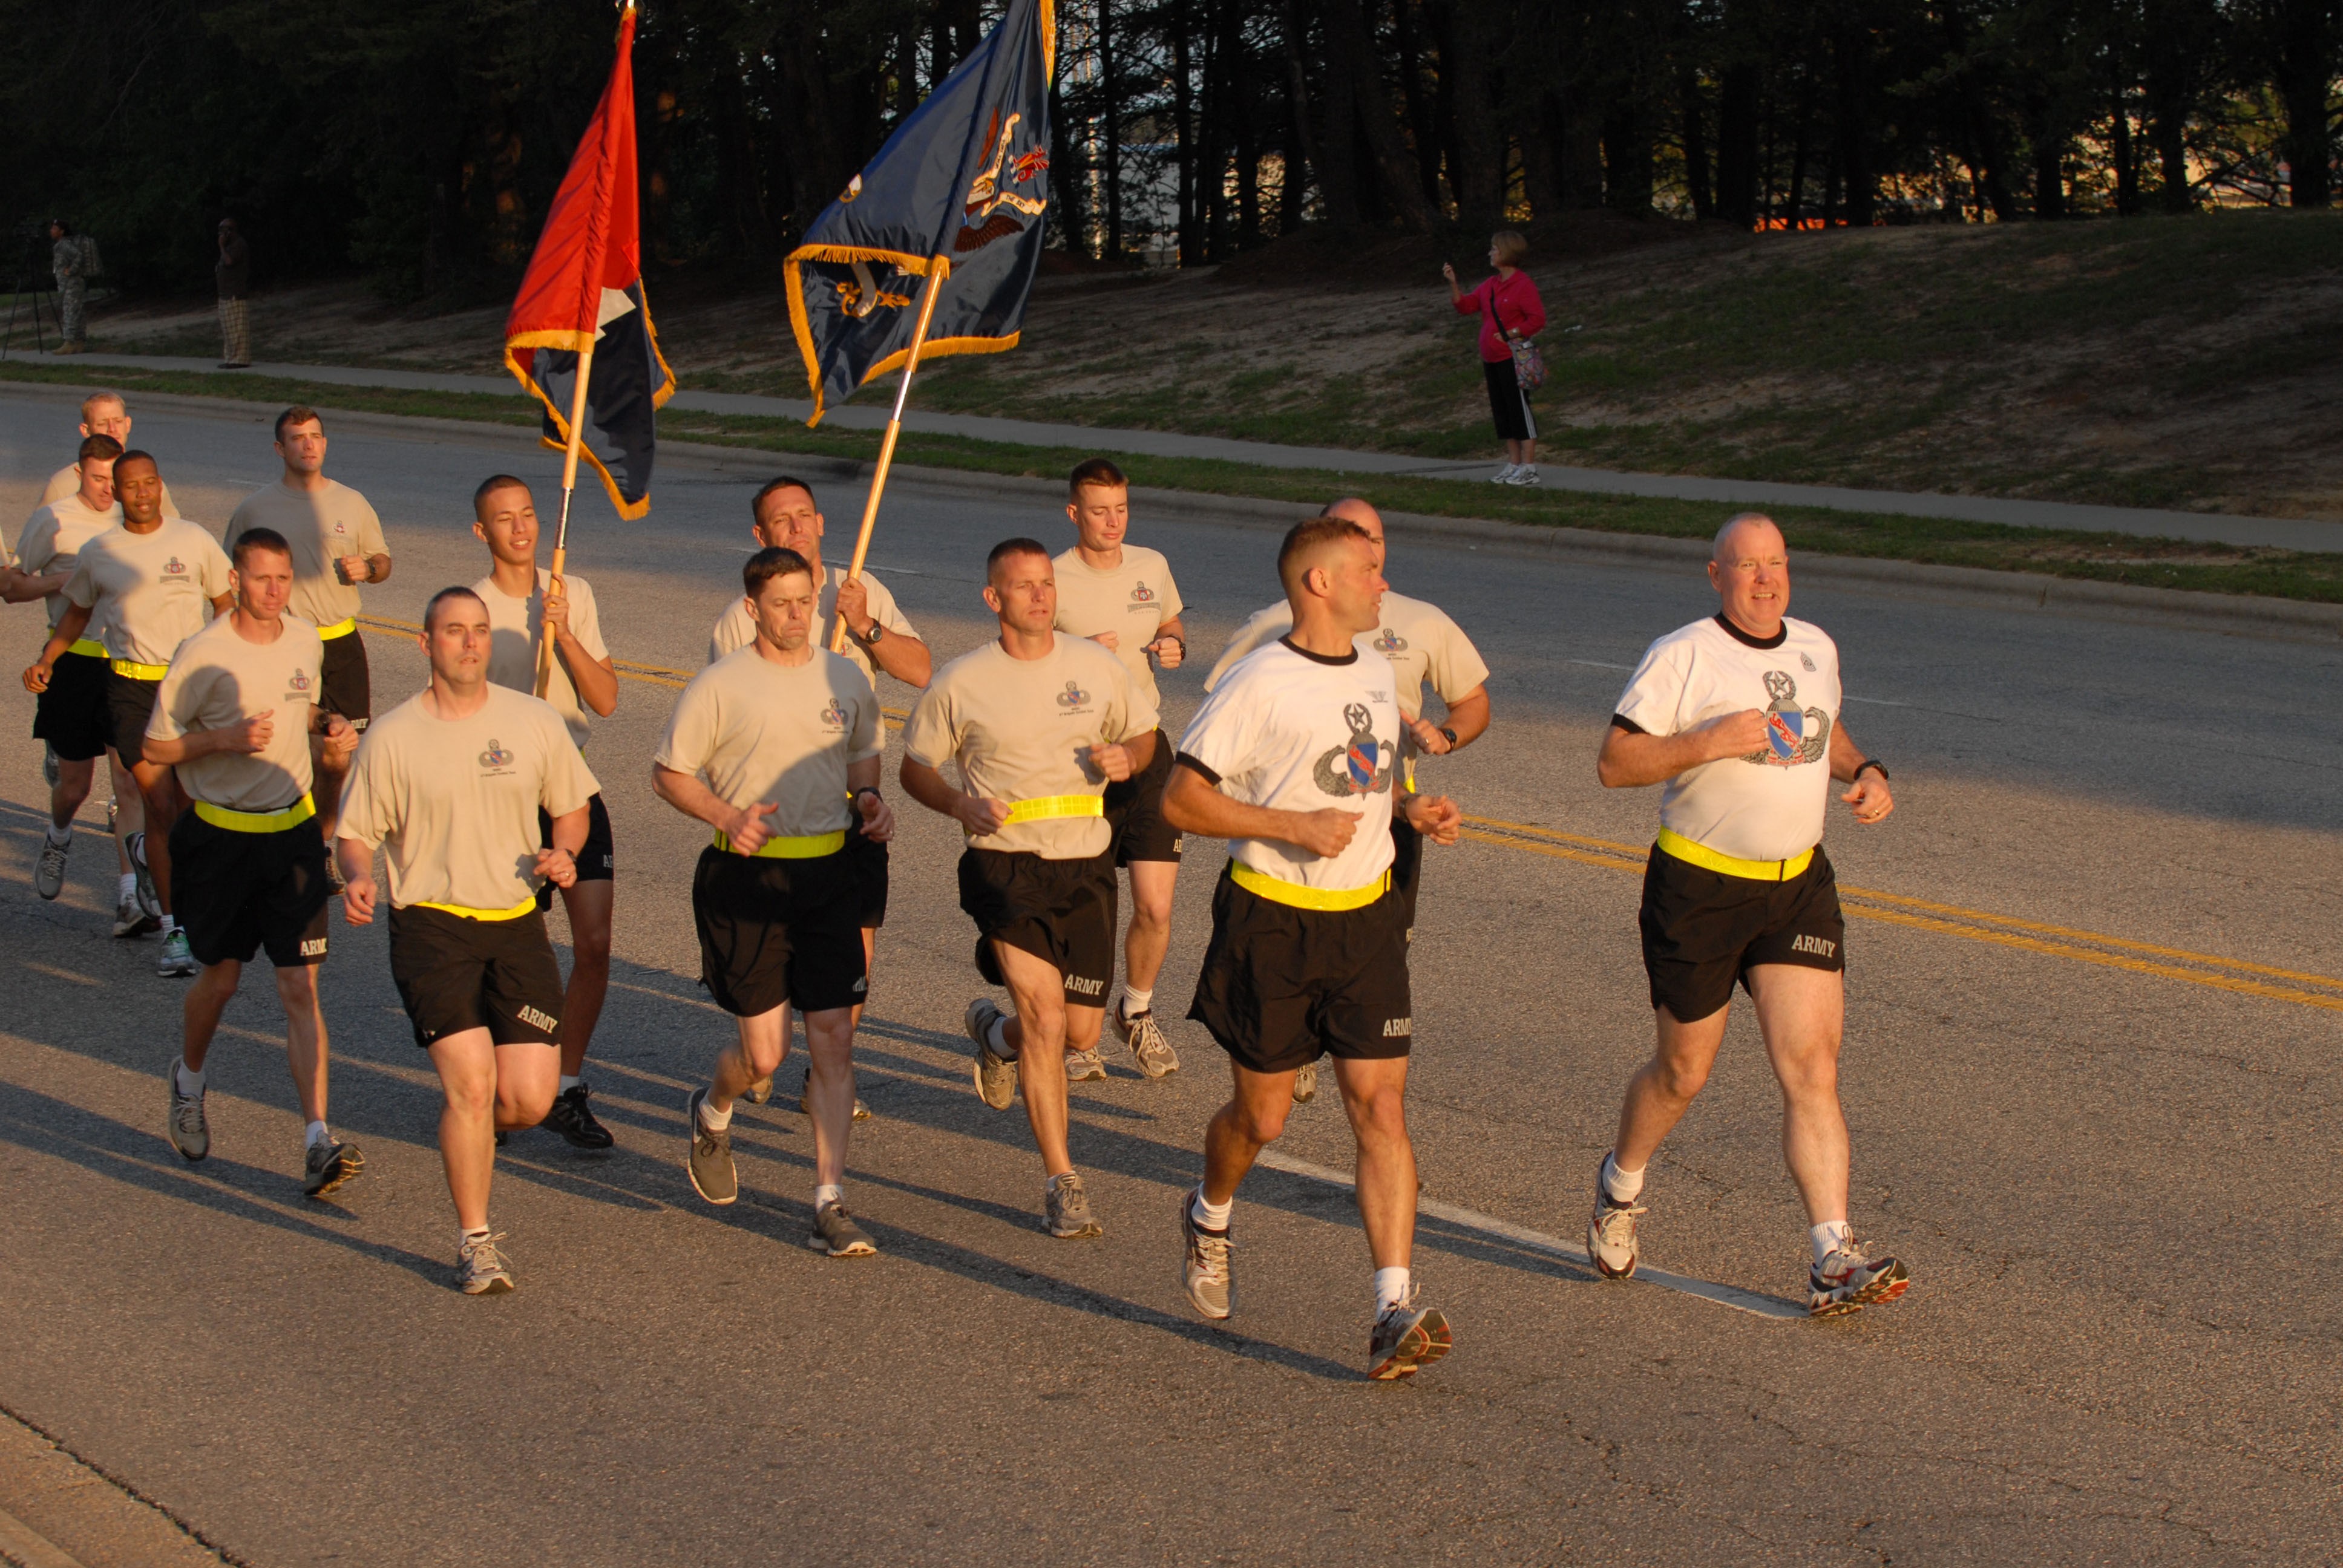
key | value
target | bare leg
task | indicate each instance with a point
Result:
(1150, 935)
(488, 1086)
(1250, 1122)
(1374, 1095)
(129, 810)
(199, 1012)
(589, 905)
(72, 788)
(830, 1089)
(1663, 1088)
(1802, 1012)
(304, 1037)
(1039, 1036)
(160, 788)
(764, 1041)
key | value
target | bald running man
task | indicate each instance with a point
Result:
(102, 414)
(1738, 716)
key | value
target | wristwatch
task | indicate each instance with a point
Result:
(878, 631)
(1871, 762)
(1452, 742)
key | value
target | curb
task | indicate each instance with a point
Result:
(2230, 613)
(20, 1544)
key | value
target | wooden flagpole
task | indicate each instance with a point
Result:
(939, 270)
(562, 530)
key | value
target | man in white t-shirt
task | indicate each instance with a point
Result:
(102, 414)
(525, 605)
(453, 784)
(783, 515)
(1738, 715)
(1295, 760)
(1039, 724)
(776, 745)
(1121, 597)
(235, 720)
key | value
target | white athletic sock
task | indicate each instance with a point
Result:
(827, 1193)
(1391, 1289)
(996, 1036)
(1210, 1216)
(189, 1081)
(570, 1081)
(60, 836)
(170, 924)
(318, 1134)
(1623, 1186)
(463, 1236)
(715, 1120)
(1829, 1234)
(1136, 1001)
(129, 886)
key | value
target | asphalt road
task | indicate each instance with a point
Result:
(2102, 1139)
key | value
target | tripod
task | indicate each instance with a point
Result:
(33, 272)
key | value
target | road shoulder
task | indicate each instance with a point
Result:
(57, 1511)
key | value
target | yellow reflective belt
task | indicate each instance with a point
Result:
(1056, 806)
(526, 906)
(87, 649)
(1701, 855)
(293, 816)
(141, 671)
(342, 627)
(1278, 891)
(812, 847)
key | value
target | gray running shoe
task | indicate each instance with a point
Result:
(48, 765)
(709, 1162)
(1526, 474)
(1204, 1275)
(480, 1268)
(835, 1233)
(996, 1075)
(1149, 1046)
(805, 1106)
(1503, 476)
(331, 1165)
(760, 1091)
(1611, 1243)
(177, 960)
(1305, 1083)
(130, 920)
(49, 871)
(1082, 1066)
(1066, 1209)
(1849, 1281)
(191, 1134)
(1405, 1337)
(148, 899)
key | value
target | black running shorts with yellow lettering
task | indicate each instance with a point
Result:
(344, 684)
(455, 973)
(236, 894)
(1061, 911)
(1704, 931)
(1134, 811)
(73, 715)
(1282, 987)
(596, 859)
(776, 930)
(129, 704)
(869, 859)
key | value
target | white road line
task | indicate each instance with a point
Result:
(1521, 1235)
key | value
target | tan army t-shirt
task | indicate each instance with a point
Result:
(150, 592)
(736, 628)
(67, 480)
(514, 626)
(1132, 600)
(756, 731)
(453, 801)
(52, 539)
(221, 679)
(1022, 730)
(322, 526)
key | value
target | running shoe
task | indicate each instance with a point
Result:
(835, 1233)
(1847, 1281)
(1405, 1337)
(1526, 474)
(330, 1164)
(148, 899)
(191, 1134)
(1504, 476)
(480, 1268)
(1305, 1083)
(49, 872)
(760, 1091)
(1149, 1046)
(130, 920)
(177, 960)
(1611, 1243)
(709, 1162)
(1082, 1066)
(48, 765)
(1066, 1209)
(805, 1106)
(570, 1116)
(1204, 1274)
(996, 1075)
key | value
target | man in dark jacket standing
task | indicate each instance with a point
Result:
(234, 274)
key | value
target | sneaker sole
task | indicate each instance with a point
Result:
(195, 1159)
(496, 1286)
(866, 1248)
(1089, 1228)
(1878, 1293)
(344, 1174)
(1420, 1346)
(1097, 1077)
(592, 1144)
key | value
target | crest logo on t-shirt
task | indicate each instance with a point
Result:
(174, 568)
(1142, 594)
(1073, 697)
(1794, 736)
(495, 756)
(1808, 660)
(1390, 642)
(1360, 766)
(299, 681)
(834, 716)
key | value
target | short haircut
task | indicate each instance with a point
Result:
(136, 455)
(431, 610)
(1716, 546)
(299, 414)
(1306, 540)
(491, 485)
(105, 449)
(784, 482)
(94, 399)
(1094, 471)
(1016, 546)
(253, 540)
(1511, 247)
(770, 563)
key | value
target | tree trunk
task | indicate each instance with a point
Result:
(1110, 127)
(1627, 158)
(1239, 82)
(1477, 177)
(2050, 175)
(1799, 147)
(2122, 149)
(1736, 146)
(1183, 130)
(1692, 117)
(1302, 160)
(1854, 130)
(1395, 178)
(1066, 182)
(1422, 119)
(2305, 69)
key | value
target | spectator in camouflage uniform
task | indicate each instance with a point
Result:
(234, 275)
(69, 259)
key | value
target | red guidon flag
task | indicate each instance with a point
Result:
(584, 288)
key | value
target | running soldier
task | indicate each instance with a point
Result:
(1294, 761)
(141, 590)
(70, 719)
(777, 746)
(1738, 715)
(523, 603)
(1121, 597)
(102, 414)
(1038, 725)
(784, 516)
(338, 545)
(235, 718)
(453, 783)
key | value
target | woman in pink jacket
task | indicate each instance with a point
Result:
(1509, 309)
